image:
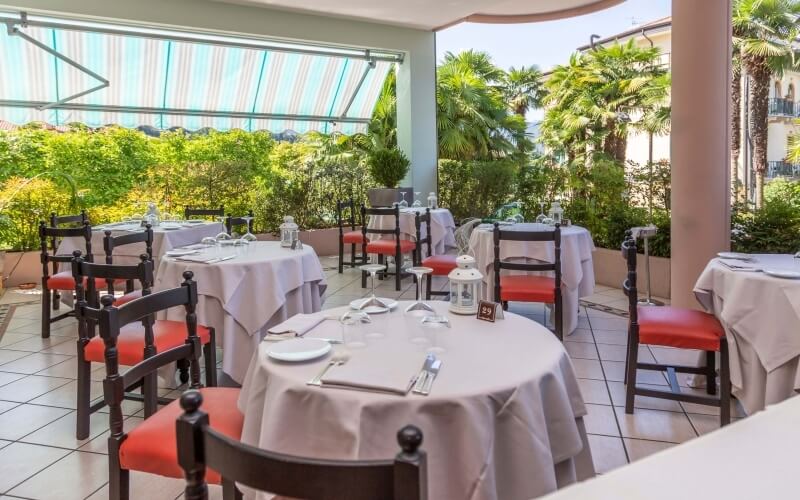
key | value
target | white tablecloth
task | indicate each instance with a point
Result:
(751, 459)
(503, 421)
(442, 227)
(577, 269)
(242, 297)
(761, 317)
(163, 241)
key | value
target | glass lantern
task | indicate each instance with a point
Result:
(289, 231)
(465, 286)
(556, 213)
(152, 216)
(433, 201)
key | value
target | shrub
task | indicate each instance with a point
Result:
(26, 202)
(387, 166)
(475, 188)
(775, 228)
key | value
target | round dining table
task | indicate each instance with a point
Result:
(443, 227)
(248, 290)
(761, 317)
(577, 268)
(503, 420)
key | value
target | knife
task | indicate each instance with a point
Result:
(433, 371)
(423, 373)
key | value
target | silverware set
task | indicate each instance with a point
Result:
(336, 360)
(424, 381)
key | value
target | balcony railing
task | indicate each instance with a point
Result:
(782, 107)
(782, 169)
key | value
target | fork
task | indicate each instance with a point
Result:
(336, 360)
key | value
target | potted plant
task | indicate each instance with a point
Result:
(387, 167)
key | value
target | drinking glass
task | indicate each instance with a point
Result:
(541, 217)
(420, 307)
(373, 302)
(248, 236)
(222, 235)
(436, 326)
(403, 203)
(354, 324)
(417, 203)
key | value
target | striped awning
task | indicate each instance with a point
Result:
(165, 82)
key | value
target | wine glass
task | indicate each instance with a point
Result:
(248, 236)
(541, 217)
(353, 328)
(373, 303)
(419, 308)
(222, 235)
(208, 241)
(417, 203)
(403, 203)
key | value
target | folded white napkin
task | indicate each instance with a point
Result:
(204, 259)
(740, 265)
(299, 324)
(374, 373)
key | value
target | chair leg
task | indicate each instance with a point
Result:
(353, 255)
(725, 384)
(428, 280)
(183, 370)
(398, 262)
(505, 305)
(633, 360)
(711, 373)
(210, 357)
(558, 312)
(56, 300)
(118, 478)
(84, 394)
(230, 491)
(341, 256)
(381, 274)
(45, 313)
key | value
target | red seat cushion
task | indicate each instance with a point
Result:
(152, 446)
(130, 343)
(128, 297)
(677, 327)
(527, 288)
(353, 237)
(441, 264)
(388, 247)
(65, 281)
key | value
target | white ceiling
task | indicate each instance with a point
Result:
(436, 14)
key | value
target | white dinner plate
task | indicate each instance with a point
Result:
(299, 349)
(170, 227)
(783, 273)
(179, 252)
(374, 309)
(195, 221)
(734, 255)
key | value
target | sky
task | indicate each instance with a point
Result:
(548, 43)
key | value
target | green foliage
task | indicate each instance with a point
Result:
(388, 166)
(775, 228)
(475, 188)
(26, 202)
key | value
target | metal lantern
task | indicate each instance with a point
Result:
(556, 212)
(465, 286)
(433, 201)
(289, 231)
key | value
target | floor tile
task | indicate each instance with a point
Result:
(601, 420)
(640, 448)
(147, 486)
(704, 423)
(615, 371)
(30, 387)
(670, 356)
(10, 338)
(33, 363)
(7, 405)
(99, 444)
(3, 443)
(61, 432)
(587, 368)
(609, 323)
(608, 453)
(617, 390)
(609, 352)
(24, 419)
(611, 337)
(36, 343)
(580, 350)
(74, 477)
(8, 377)
(19, 461)
(594, 391)
(668, 426)
(580, 335)
(8, 356)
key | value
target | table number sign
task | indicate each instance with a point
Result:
(489, 311)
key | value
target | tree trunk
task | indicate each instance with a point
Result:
(736, 128)
(759, 106)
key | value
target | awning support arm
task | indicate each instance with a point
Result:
(14, 30)
(370, 65)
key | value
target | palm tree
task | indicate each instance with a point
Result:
(763, 33)
(736, 123)
(523, 89)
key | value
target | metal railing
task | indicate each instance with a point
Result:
(782, 169)
(782, 107)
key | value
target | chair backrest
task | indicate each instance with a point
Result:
(73, 220)
(419, 220)
(111, 242)
(189, 212)
(112, 318)
(52, 235)
(231, 222)
(199, 446)
(346, 215)
(629, 251)
(391, 211)
(81, 268)
(543, 236)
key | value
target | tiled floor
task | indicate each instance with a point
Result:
(41, 459)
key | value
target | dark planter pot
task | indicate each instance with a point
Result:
(385, 197)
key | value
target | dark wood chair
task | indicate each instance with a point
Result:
(200, 446)
(69, 220)
(190, 212)
(111, 242)
(151, 446)
(231, 222)
(441, 264)
(53, 280)
(679, 328)
(395, 247)
(346, 218)
(530, 287)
